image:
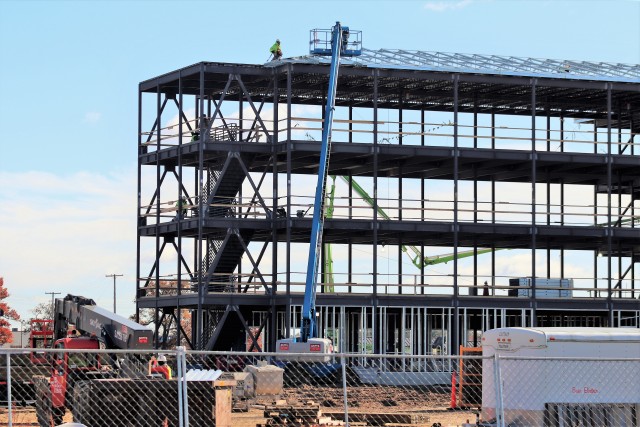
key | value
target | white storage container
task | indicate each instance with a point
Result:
(583, 379)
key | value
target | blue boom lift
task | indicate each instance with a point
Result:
(337, 42)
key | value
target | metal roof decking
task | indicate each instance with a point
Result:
(487, 64)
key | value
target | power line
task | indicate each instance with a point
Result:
(114, 288)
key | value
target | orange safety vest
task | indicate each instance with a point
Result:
(155, 368)
(162, 369)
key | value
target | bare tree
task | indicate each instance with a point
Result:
(168, 327)
(42, 310)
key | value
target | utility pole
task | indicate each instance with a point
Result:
(53, 303)
(114, 288)
(23, 325)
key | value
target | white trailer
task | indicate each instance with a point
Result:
(562, 376)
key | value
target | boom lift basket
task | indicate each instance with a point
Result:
(320, 42)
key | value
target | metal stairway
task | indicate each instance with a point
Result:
(225, 251)
(222, 259)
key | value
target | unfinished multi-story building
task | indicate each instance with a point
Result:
(474, 192)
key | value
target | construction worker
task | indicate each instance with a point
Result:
(181, 210)
(345, 40)
(485, 289)
(276, 51)
(159, 366)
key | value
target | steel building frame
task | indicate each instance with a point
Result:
(195, 255)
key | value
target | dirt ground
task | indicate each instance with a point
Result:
(426, 407)
(370, 398)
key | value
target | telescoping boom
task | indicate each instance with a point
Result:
(90, 320)
(339, 47)
(337, 42)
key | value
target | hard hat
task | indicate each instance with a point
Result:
(162, 358)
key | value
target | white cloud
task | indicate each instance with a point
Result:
(63, 233)
(92, 117)
(443, 6)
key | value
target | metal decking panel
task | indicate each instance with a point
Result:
(489, 64)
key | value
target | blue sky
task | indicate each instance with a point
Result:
(68, 101)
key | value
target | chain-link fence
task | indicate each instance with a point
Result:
(562, 391)
(196, 388)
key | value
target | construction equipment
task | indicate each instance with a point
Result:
(329, 281)
(337, 42)
(92, 324)
(411, 251)
(79, 324)
(40, 336)
(416, 255)
(25, 365)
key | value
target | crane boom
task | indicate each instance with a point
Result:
(328, 257)
(417, 259)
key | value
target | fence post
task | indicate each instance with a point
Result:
(9, 408)
(182, 359)
(344, 389)
(498, 386)
(181, 377)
